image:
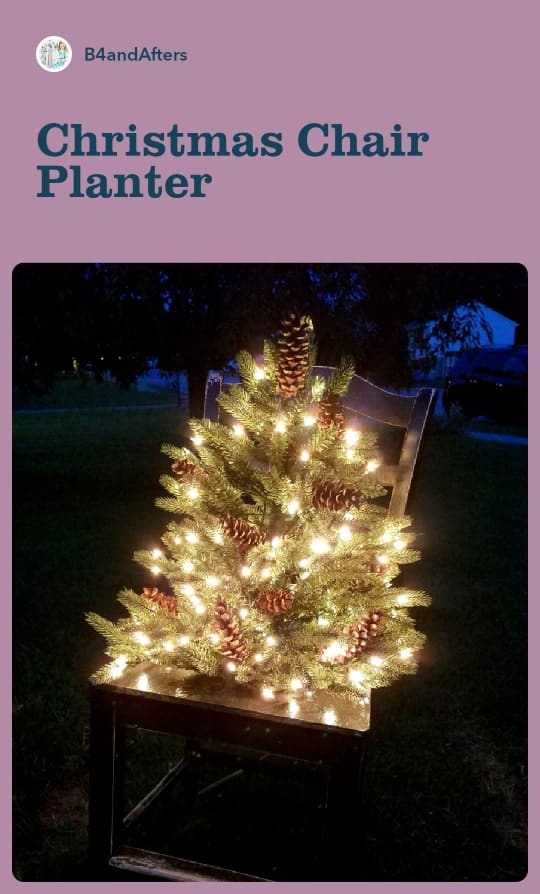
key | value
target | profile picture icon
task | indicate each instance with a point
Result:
(53, 53)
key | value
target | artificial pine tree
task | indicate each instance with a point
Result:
(278, 566)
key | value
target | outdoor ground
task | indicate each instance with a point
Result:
(446, 782)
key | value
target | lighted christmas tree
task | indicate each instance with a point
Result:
(277, 568)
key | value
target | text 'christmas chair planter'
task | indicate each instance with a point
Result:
(308, 752)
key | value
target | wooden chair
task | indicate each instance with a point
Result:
(223, 724)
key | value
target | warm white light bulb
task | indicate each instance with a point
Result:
(193, 493)
(281, 426)
(309, 420)
(191, 537)
(293, 507)
(345, 532)
(276, 542)
(356, 677)
(155, 569)
(212, 581)
(258, 657)
(267, 693)
(178, 540)
(197, 440)
(399, 544)
(334, 650)
(304, 456)
(188, 590)
(323, 622)
(296, 684)
(218, 538)
(376, 661)
(183, 640)
(200, 609)
(214, 638)
(168, 646)
(349, 453)
(245, 571)
(351, 437)
(405, 653)
(382, 560)
(238, 430)
(402, 599)
(330, 717)
(271, 641)
(372, 465)
(320, 546)
(244, 612)
(231, 667)
(259, 373)
(156, 553)
(266, 573)
(188, 566)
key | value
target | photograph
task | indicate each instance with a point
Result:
(269, 571)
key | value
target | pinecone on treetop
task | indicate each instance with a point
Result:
(232, 644)
(244, 533)
(336, 496)
(330, 411)
(293, 357)
(184, 469)
(168, 603)
(275, 602)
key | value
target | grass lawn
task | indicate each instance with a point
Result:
(80, 394)
(445, 784)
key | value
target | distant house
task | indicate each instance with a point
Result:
(432, 356)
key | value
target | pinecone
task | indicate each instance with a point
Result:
(330, 411)
(275, 602)
(232, 644)
(362, 631)
(167, 603)
(184, 469)
(293, 359)
(243, 532)
(336, 496)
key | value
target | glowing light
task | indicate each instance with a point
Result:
(168, 646)
(351, 437)
(345, 532)
(372, 465)
(296, 684)
(142, 638)
(259, 373)
(267, 693)
(188, 567)
(245, 571)
(266, 573)
(214, 638)
(293, 507)
(271, 641)
(386, 537)
(192, 537)
(212, 581)
(197, 440)
(183, 640)
(200, 609)
(218, 538)
(193, 493)
(402, 599)
(349, 453)
(376, 661)
(258, 657)
(238, 430)
(333, 651)
(294, 708)
(188, 590)
(309, 420)
(330, 717)
(156, 554)
(405, 653)
(276, 542)
(178, 540)
(143, 683)
(356, 677)
(244, 612)
(320, 546)
(118, 667)
(304, 456)
(382, 560)
(280, 426)
(155, 569)
(303, 563)
(231, 667)
(304, 575)
(323, 622)
(399, 544)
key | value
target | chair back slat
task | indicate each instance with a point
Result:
(408, 412)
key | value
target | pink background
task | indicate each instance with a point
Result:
(464, 70)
